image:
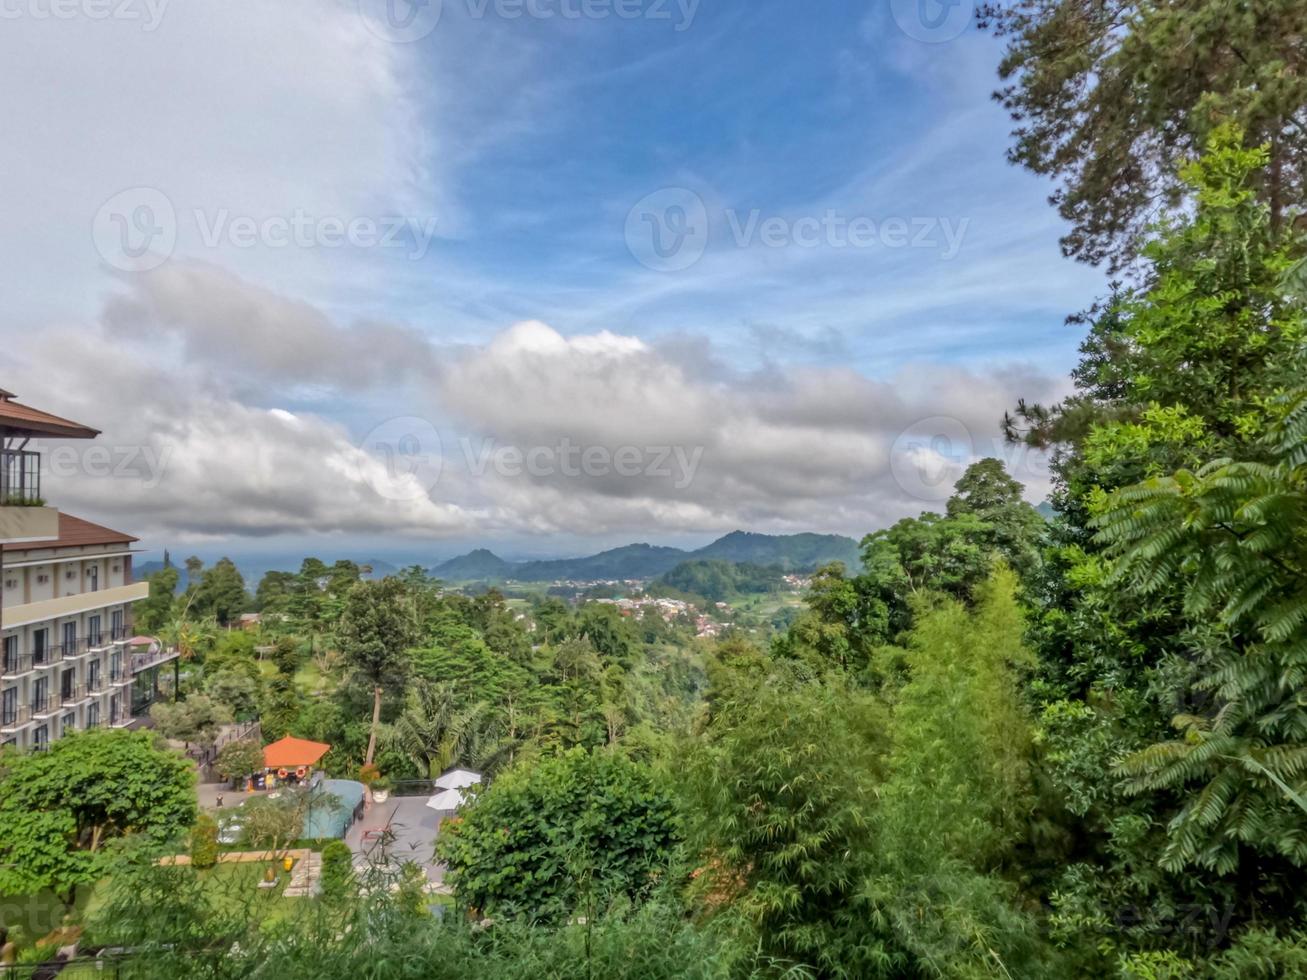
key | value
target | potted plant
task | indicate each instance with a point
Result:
(381, 789)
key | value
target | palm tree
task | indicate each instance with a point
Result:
(435, 732)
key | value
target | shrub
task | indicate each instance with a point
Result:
(204, 842)
(546, 839)
(337, 869)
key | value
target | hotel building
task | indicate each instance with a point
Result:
(68, 661)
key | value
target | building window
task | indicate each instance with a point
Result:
(113, 710)
(41, 738)
(70, 639)
(40, 694)
(9, 706)
(40, 645)
(42, 579)
(116, 621)
(70, 722)
(93, 573)
(11, 654)
(71, 574)
(93, 631)
(93, 675)
(92, 715)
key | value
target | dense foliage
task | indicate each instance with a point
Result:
(572, 833)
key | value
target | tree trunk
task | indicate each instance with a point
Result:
(376, 720)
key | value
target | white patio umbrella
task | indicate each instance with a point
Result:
(458, 779)
(446, 799)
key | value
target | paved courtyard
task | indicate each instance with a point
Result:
(413, 827)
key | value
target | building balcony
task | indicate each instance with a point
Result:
(95, 686)
(49, 657)
(144, 661)
(15, 718)
(45, 707)
(73, 605)
(17, 665)
(120, 720)
(73, 695)
(120, 677)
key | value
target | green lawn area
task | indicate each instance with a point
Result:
(232, 889)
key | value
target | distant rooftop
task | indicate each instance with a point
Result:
(21, 420)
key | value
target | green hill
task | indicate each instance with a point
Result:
(790, 552)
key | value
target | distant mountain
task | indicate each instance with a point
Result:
(792, 552)
(789, 552)
(629, 561)
(1046, 510)
(476, 566)
(380, 569)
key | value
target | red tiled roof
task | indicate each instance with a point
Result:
(74, 533)
(32, 421)
(291, 752)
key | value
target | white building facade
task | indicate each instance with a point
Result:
(67, 662)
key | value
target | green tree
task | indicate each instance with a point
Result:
(1114, 98)
(547, 840)
(377, 629)
(60, 808)
(780, 790)
(434, 731)
(1233, 536)
(204, 842)
(221, 593)
(198, 719)
(153, 612)
(239, 759)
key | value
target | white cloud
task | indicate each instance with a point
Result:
(677, 443)
(245, 107)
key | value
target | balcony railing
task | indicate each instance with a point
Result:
(118, 633)
(44, 705)
(15, 717)
(73, 694)
(20, 478)
(17, 663)
(95, 639)
(48, 657)
(95, 685)
(143, 661)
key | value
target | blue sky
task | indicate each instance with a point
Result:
(849, 267)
